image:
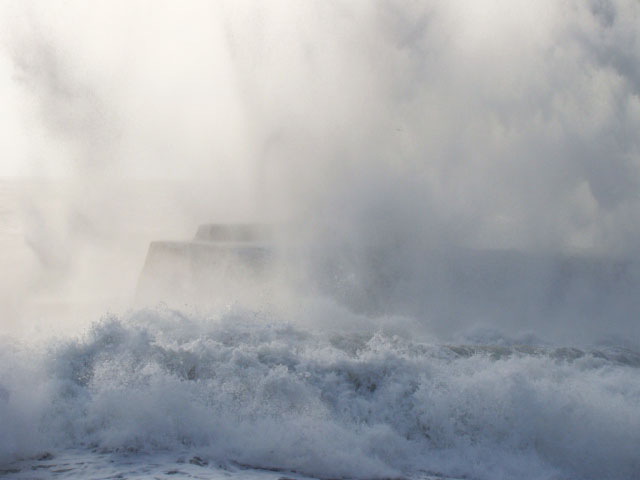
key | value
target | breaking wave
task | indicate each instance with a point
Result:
(249, 388)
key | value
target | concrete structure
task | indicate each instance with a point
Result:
(450, 288)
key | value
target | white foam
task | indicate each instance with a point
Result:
(243, 387)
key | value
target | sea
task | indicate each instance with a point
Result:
(93, 386)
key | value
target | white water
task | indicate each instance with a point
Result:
(246, 388)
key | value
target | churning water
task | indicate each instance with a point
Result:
(245, 389)
(315, 389)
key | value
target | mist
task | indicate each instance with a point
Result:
(412, 132)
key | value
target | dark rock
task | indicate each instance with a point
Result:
(198, 461)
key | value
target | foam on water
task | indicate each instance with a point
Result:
(251, 388)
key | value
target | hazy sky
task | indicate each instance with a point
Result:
(510, 123)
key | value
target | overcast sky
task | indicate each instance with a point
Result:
(511, 123)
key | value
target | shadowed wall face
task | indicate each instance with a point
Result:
(557, 298)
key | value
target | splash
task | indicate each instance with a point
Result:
(247, 388)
